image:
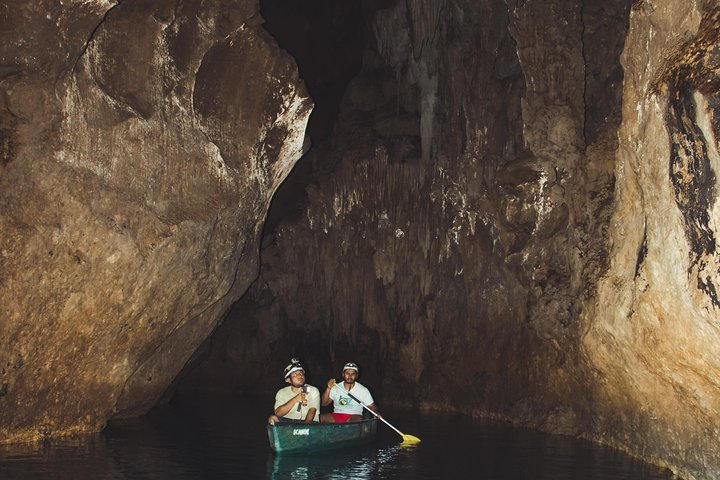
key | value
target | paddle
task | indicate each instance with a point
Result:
(407, 439)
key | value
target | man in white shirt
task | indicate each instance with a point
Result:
(345, 407)
(298, 402)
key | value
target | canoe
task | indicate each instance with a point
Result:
(316, 436)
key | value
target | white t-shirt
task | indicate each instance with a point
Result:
(342, 403)
(285, 394)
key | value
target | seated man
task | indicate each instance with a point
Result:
(345, 408)
(298, 402)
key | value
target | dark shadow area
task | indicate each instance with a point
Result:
(606, 26)
(326, 39)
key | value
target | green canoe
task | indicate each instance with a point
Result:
(311, 437)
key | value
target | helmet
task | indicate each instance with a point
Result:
(350, 366)
(293, 367)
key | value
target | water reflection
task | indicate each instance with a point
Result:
(228, 440)
(358, 464)
(70, 458)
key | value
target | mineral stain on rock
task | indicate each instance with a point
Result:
(694, 78)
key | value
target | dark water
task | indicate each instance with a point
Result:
(226, 439)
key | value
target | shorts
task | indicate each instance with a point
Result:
(342, 417)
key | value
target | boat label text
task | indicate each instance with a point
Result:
(301, 431)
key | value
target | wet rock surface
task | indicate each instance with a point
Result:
(134, 181)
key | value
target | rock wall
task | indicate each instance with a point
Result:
(142, 142)
(518, 223)
(652, 338)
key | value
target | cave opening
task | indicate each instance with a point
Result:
(326, 39)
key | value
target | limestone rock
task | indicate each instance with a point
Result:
(652, 335)
(141, 145)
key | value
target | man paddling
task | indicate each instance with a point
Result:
(298, 402)
(346, 406)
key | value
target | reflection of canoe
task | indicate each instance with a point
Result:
(364, 462)
(310, 437)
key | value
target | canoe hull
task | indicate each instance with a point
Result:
(320, 436)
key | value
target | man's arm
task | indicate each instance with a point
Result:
(326, 400)
(283, 409)
(310, 417)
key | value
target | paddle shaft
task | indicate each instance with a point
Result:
(369, 409)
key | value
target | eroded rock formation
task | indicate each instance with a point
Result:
(509, 228)
(141, 145)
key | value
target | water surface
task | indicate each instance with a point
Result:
(225, 438)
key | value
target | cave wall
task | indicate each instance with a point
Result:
(652, 337)
(518, 224)
(462, 224)
(141, 144)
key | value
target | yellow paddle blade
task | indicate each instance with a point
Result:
(409, 439)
